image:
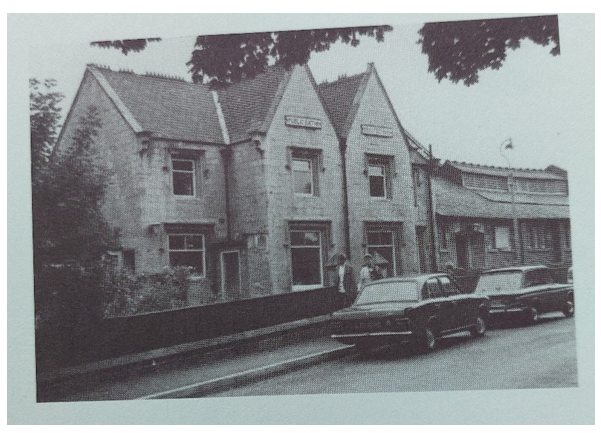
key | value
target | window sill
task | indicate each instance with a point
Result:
(310, 287)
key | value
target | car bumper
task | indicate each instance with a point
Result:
(506, 310)
(376, 338)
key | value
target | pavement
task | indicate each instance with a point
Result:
(198, 368)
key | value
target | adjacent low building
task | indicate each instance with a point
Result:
(490, 217)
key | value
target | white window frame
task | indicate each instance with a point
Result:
(301, 287)
(393, 245)
(385, 168)
(174, 170)
(502, 233)
(203, 250)
(311, 175)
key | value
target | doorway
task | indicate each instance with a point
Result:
(462, 246)
(230, 275)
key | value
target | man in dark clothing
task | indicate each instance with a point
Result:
(345, 282)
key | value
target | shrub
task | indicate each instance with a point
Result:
(126, 294)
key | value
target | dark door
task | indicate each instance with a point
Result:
(462, 245)
(420, 232)
(230, 275)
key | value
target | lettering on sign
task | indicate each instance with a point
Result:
(378, 131)
(303, 122)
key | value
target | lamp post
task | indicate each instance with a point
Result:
(507, 144)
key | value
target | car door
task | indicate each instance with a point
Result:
(440, 306)
(457, 305)
(540, 293)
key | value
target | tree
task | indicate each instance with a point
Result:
(223, 59)
(68, 191)
(458, 50)
(44, 118)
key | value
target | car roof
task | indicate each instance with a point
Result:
(419, 278)
(515, 268)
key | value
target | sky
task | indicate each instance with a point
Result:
(528, 100)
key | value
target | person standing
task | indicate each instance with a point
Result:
(368, 272)
(345, 282)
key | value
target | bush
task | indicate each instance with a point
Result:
(126, 294)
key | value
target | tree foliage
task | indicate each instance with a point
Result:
(223, 59)
(68, 191)
(458, 50)
(126, 45)
(44, 118)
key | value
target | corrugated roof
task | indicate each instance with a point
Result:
(455, 200)
(338, 97)
(503, 171)
(246, 105)
(169, 107)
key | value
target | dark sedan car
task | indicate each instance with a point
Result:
(525, 292)
(417, 309)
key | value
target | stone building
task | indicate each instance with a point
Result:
(256, 186)
(482, 224)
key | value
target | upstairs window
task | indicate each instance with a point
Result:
(305, 165)
(302, 172)
(379, 171)
(184, 176)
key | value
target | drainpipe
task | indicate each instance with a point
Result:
(431, 216)
(226, 154)
(345, 211)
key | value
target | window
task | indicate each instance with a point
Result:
(444, 235)
(129, 260)
(381, 243)
(305, 165)
(302, 172)
(417, 182)
(184, 176)
(449, 288)
(378, 171)
(568, 237)
(537, 236)
(482, 181)
(542, 186)
(307, 259)
(501, 238)
(432, 289)
(187, 250)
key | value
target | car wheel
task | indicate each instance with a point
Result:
(568, 308)
(479, 329)
(532, 316)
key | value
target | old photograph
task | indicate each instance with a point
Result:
(340, 211)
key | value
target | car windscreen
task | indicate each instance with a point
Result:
(393, 291)
(499, 282)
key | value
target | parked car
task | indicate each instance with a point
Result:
(417, 309)
(525, 292)
(570, 276)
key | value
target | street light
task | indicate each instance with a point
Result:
(507, 144)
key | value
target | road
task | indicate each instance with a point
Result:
(540, 356)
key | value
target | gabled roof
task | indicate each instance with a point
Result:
(455, 200)
(250, 104)
(504, 171)
(341, 99)
(168, 107)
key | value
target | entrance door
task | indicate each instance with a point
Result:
(230, 275)
(462, 246)
(420, 232)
